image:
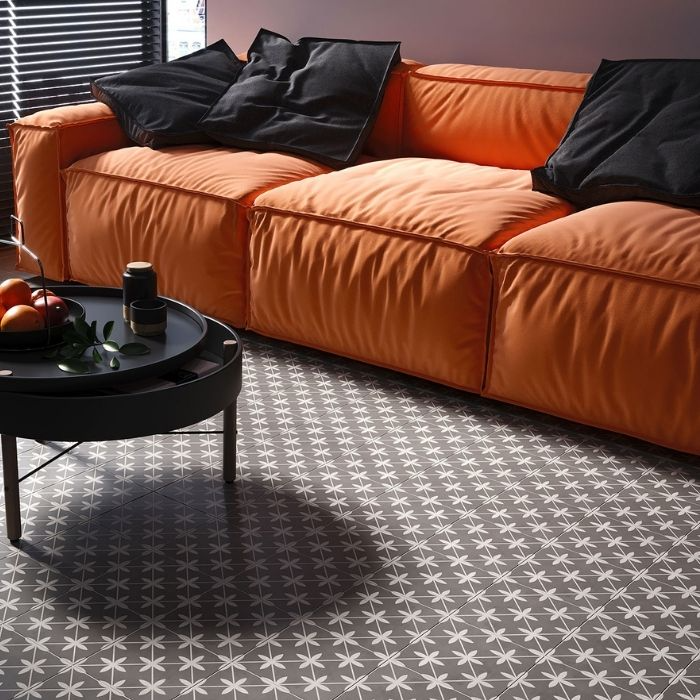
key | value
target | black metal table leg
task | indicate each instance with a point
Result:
(229, 427)
(11, 486)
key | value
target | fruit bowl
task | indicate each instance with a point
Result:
(44, 337)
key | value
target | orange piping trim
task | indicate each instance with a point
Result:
(498, 83)
(369, 227)
(66, 125)
(164, 185)
(602, 270)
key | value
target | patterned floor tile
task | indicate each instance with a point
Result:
(72, 684)
(435, 680)
(152, 663)
(43, 515)
(376, 619)
(384, 538)
(619, 657)
(335, 491)
(155, 466)
(538, 622)
(685, 684)
(23, 662)
(152, 515)
(282, 457)
(314, 662)
(75, 625)
(236, 682)
(26, 584)
(560, 683)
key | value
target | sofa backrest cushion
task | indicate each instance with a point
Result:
(507, 117)
(384, 141)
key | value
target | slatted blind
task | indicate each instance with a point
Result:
(51, 49)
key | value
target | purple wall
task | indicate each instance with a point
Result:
(555, 34)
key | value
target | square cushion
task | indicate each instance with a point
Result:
(160, 104)
(316, 98)
(635, 136)
(388, 262)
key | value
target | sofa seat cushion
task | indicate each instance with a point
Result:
(388, 261)
(463, 204)
(183, 208)
(645, 239)
(597, 319)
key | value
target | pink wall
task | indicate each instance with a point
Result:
(556, 34)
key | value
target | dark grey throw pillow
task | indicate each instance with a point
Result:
(636, 135)
(316, 98)
(160, 104)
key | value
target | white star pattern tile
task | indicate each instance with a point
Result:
(385, 538)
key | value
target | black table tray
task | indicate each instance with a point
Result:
(31, 371)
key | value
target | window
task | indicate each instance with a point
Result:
(186, 27)
(51, 49)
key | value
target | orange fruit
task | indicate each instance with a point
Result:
(15, 291)
(21, 318)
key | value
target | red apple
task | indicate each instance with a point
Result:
(54, 311)
(38, 293)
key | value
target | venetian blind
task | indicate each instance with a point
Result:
(50, 50)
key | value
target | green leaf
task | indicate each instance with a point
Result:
(134, 349)
(96, 355)
(111, 346)
(74, 366)
(82, 329)
(114, 362)
(71, 350)
(52, 354)
(107, 330)
(93, 331)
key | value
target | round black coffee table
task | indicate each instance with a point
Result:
(149, 394)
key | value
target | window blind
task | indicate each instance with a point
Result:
(51, 49)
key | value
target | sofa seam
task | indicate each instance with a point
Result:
(125, 178)
(490, 322)
(400, 233)
(602, 270)
(401, 112)
(63, 208)
(60, 127)
(499, 83)
(245, 200)
(13, 174)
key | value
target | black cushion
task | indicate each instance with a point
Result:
(636, 135)
(315, 98)
(160, 104)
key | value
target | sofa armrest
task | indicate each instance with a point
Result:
(43, 144)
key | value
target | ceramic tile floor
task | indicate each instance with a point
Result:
(386, 539)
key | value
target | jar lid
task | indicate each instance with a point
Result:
(139, 266)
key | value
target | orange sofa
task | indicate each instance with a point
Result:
(432, 256)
